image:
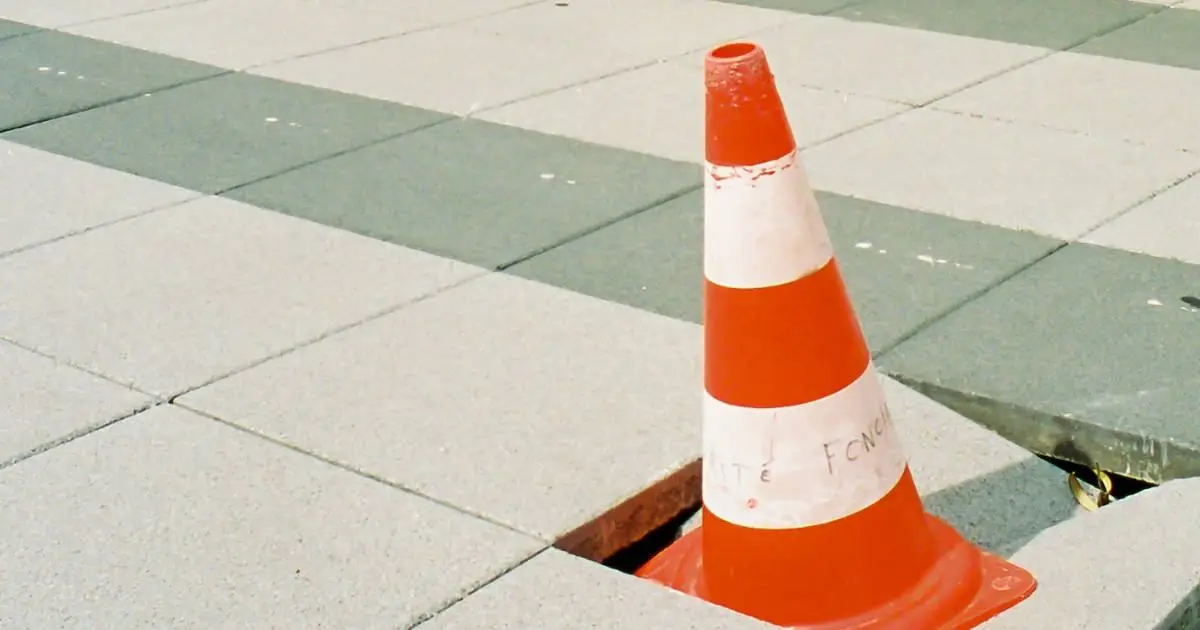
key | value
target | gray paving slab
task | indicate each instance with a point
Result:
(238, 34)
(531, 405)
(992, 491)
(886, 62)
(8, 28)
(44, 402)
(659, 109)
(1133, 564)
(170, 300)
(555, 590)
(815, 7)
(61, 13)
(475, 191)
(223, 132)
(1057, 24)
(50, 196)
(49, 74)
(1088, 356)
(1016, 176)
(168, 519)
(1170, 38)
(1098, 96)
(902, 267)
(1167, 225)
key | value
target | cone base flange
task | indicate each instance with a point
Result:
(963, 588)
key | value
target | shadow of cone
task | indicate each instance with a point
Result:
(811, 518)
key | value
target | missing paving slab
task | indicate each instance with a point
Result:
(628, 535)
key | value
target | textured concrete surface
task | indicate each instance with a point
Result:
(527, 404)
(262, 127)
(49, 196)
(1112, 385)
(49, 74)
(583, 595)
(44, 402)
(170, 519)
(479, 192)
(171, 300)
(1009, 146)
(1132, 564)
(1029, 178)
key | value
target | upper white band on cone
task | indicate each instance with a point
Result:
(762, 226)
(804, 465)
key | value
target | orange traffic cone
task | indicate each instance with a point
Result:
(811, 518)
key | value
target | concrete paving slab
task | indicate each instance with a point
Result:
(170, 519)
(45, 402)
(886, 62)
(1169, 38)
(634, 32)
(50, 196)
(1194, 5)
(61, 13)
(173, 299)
(464, 68)
(475, 191)
(1097, 96)
(1088, 356)
(815, 7)
(557, 590)
(48, 74)
(1165, 226)
(902, 267)
(528, 404)
(239, 34)
(1057, 25)
(659, 110)
(223, 132)
(1016, 176)
(1132, 564)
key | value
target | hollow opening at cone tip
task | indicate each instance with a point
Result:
(735, 51)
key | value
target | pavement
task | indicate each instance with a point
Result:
(365, 313)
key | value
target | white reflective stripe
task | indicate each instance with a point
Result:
(799, 466)
(762, 226)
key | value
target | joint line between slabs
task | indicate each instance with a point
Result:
(428, 616)
(337, 330)
(953, 308)
(356, 471)
(50, 445)
(600, 226)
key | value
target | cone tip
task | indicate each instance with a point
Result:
(745, 120)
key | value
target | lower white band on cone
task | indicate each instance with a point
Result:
(762, 226)
(792, 467)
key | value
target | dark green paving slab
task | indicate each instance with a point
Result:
(223, 132)
(12, 29)
(1052, 24)
(483, 193)
(813, 7)
(653, 261)
(48, 74)
(1090, 355)
(1171, 38)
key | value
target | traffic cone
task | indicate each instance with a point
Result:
(811, 518)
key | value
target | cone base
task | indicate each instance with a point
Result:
(964, 588)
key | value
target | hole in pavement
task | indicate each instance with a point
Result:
(640, 526)
(1122, 486)
(1191, 301)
